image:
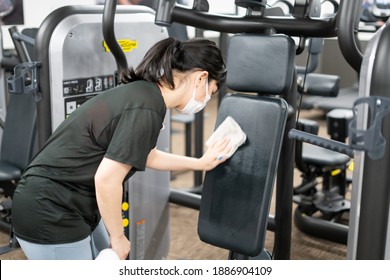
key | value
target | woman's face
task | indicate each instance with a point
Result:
(197, 84)
(201, 89)
(195, 88)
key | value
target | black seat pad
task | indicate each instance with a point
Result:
(9, 171)
(322, 157)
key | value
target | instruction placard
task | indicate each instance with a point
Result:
(87, 85)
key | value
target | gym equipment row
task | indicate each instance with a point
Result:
(72, 65)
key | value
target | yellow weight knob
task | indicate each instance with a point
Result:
(125, 206)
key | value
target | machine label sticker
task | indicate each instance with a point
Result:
(127, 45)
(72, 103)
(87, 85)
(140, 231)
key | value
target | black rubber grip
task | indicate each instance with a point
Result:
(321, 142)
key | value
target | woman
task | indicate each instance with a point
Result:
(78, 175)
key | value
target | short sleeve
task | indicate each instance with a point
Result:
(135, 135)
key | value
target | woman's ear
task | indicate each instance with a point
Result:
(203, 75)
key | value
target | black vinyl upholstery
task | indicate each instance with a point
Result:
(236, 195)
(260, 64)
(18, 139)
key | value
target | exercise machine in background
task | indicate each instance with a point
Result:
(369, 233)
(372, 16)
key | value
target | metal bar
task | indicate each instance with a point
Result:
(185, 198)
(254, 24)
(23, 38)
(284, 184)
(109, 37)
(223, 45)
(198, 175)
(348, 18)
(19, 46)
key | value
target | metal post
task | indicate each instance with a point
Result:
(284, 185)
(198, 175)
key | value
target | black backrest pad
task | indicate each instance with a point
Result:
(236, 195)
(19, 130)
(261, 64)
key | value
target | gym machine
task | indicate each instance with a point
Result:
(369, 234)
(302, 25)
(74, 62)
(18, 127)
(312, 161)
(322, 208)
(371, 17)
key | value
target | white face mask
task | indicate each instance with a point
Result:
(194, 106)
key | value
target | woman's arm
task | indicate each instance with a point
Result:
(166, 161)
(108, 183)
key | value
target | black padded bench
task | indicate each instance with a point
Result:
(322, 85)
(344, 100)
(236, 195)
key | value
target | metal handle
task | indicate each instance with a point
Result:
(322, 142)
(109, 37)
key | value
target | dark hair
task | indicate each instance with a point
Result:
(172, 54)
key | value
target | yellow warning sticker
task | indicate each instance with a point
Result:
(335, 172)
(351, 165)
(127, 45)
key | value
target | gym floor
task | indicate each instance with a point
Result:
(185, 243)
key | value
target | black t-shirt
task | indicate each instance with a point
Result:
(121, 124)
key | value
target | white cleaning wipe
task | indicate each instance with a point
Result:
(107, 255)
(231, 129)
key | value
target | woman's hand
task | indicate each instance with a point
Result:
(215, 154)
(121, 246)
